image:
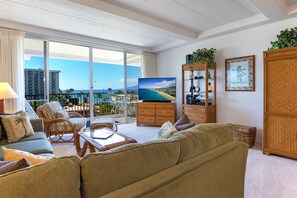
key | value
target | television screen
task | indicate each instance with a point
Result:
(157, 89)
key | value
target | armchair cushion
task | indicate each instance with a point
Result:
(62, 114)
(55, 106)
(48, 112)
(78, 122)
(60, 126)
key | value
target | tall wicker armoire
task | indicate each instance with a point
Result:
(280, 102)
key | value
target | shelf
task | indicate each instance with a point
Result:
(203, 111)
(189, 79)
(197, 67)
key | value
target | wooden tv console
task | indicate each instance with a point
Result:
(155, 113)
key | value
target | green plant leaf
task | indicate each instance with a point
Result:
(204, 54)
(285, 38)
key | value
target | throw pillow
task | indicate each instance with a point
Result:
(6, 166)
(184, 126)
(13, 155)
(62, 114)
(17, 126)
(3, 135)
(183, 123)
(166, 130)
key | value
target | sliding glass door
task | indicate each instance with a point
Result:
(92, 82)
(34, 70)
(108, 84)
(133, 73)
(69, 77)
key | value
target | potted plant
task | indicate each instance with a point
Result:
(203, 55)
(286, 38)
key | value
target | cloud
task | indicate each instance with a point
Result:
(166, 83)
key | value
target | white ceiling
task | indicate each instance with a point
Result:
(151, 25)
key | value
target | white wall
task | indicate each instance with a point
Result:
(244, 108)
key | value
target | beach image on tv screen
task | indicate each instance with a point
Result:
(157, 89)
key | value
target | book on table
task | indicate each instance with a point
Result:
(102, 134)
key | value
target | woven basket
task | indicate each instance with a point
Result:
(245, 134)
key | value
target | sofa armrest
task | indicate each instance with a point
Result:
(37, 124)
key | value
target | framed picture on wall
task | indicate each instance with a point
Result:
(240, 73)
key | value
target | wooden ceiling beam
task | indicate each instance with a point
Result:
(178, 32)
(276, 10)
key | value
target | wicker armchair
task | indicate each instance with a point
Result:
(58, 121)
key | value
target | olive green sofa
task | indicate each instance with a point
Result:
(37, 144)
(203, 161)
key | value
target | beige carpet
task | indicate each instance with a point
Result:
(266, 176)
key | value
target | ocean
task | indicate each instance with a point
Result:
(101, 91)
(152, 95)
(99, 95)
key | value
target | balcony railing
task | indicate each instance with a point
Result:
(104, 103)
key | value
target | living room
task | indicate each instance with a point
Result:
(156, 46)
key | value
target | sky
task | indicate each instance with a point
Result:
(75, 74)
(146, 83)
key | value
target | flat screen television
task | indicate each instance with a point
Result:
(157, 89)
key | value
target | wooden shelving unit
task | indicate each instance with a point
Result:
(198, 102)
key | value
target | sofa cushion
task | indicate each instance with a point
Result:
(17, 126)
(37, 125)
(202, 138)
(2, 132)
(125, 165)
(14, 155)
(35, 136)
(34, 147)
(58, 178)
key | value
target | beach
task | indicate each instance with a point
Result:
(167, 96)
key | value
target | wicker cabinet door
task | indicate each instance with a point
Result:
(280, 104)
(281, 86)
(281, 135)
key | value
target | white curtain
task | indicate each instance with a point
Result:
(11, 66)
(149, 64)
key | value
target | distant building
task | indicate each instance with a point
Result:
(34, 83)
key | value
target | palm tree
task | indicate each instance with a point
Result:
(23, 121)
